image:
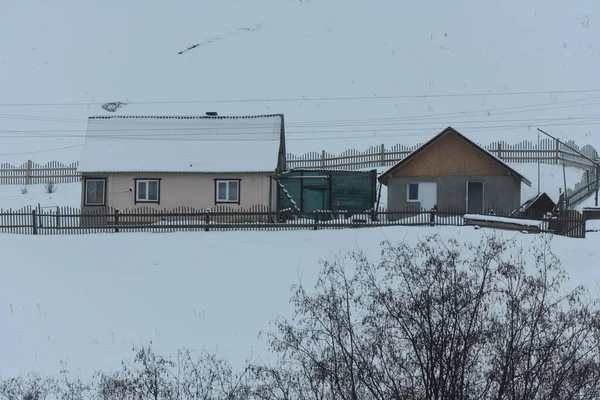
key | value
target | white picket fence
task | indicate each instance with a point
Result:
(31, 173)
(548, 152)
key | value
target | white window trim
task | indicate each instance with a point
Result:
(147, 200)
(408, 199)
(87, 203)
(227, 182)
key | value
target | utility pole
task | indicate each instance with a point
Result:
(597, 182)
(538, 162)
(565, 186)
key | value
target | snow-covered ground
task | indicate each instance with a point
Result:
(66, 194)
(88, 299)
(346, 73)
(589, 202)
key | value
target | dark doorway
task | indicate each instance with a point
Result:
(475, 197)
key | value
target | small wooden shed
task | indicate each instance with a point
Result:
(536, 207)
(312, 190)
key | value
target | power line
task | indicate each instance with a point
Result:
(338, 123)
(255, 129)
(353, 122)
(374, 97)
(409, 133)
(430, 115)
(463, 115)
(40, 151)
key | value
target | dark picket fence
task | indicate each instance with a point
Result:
(69, 220)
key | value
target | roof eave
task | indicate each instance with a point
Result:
(525, 181)
(175, 172)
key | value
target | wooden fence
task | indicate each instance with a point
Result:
(31, 173)
(67, 220)
(548, 152)
(583, 189)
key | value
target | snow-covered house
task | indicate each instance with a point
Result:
(167, 162)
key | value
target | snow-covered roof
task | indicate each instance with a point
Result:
(182, 144)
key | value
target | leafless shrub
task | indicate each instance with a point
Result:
(50, 187)
(68, 388)
(150, 376)
(31, 387)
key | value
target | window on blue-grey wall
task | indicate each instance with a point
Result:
(413, 192)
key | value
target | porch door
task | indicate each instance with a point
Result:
(428, 194)
(475, 197)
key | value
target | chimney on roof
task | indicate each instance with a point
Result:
(211, 113)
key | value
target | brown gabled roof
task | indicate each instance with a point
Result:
(383, 177)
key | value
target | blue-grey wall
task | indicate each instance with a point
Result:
(501, 193)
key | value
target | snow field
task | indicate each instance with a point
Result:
(88, 299)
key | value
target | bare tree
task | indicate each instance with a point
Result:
(325, 343)
(438, 320)
(544, 341)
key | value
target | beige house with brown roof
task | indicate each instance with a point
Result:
(166, 162)
(451, 171)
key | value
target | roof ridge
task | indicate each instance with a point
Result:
(184, 116)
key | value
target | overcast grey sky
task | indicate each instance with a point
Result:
(73, 51)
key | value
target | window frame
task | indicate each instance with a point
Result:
(137, 200)
(86, 203)
(408, 199)
(228, 181)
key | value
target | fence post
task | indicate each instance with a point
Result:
(323, 158)
(432, 215)
(597, 182)
(206, 222)
(57, 217)
(382, 155)
(116, 220)
(557, 152)
(28, 172)
(316, 224)
(500, 150)
(34, 222)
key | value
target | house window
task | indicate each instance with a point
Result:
(228, 191)
(95, 192)
(413, 192)
(147, 190)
